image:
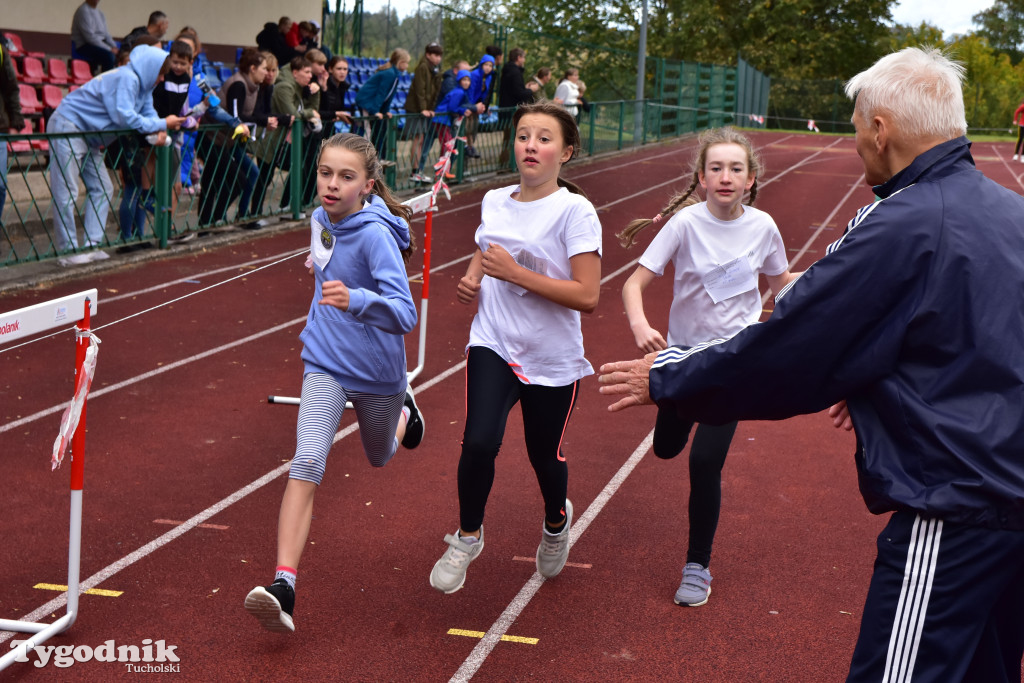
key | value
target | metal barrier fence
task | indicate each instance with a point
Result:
(70, 196)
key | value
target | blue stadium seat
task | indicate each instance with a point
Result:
(350, 97)
(225, 73)
(212, 74)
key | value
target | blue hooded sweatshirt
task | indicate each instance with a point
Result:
(480, 83)
(457, 101)
(363, 348)
(119, 98)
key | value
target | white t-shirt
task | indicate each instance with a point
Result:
(569, 93)
(540, 339)
(716, 263)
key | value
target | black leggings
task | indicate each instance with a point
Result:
(1020, 139)
(492, 388)
(707, 456)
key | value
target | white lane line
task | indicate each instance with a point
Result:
(153, 373)
(493, 636)
(194, 521)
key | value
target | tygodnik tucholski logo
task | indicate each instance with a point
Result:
(150, 657)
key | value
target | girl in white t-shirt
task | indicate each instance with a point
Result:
(538, 264)
(717, 248)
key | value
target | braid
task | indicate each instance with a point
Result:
(628, 235)
(753, 193)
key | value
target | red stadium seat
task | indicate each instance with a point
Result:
(22, 145)
(41, 144)
(32, 71)
(57, 71)
(30, 103)
(81, 72)
(52, 95)
(18, 50)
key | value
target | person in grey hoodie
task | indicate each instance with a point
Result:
(117, 99)
(354, 346)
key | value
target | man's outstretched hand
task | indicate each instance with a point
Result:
(629, 379)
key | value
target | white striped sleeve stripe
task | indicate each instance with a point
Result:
(674, 354)
(922, 554)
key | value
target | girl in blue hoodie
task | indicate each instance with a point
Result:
(354, 346)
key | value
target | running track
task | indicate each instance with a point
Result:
(186, 461)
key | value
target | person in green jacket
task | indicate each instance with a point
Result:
(419, 109)
(288, 99)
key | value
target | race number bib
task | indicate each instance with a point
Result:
(729, 279)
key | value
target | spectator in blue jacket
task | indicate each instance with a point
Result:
(375, 96)
(455, 104)
(910, 328)
(480, 90)
(121, 98)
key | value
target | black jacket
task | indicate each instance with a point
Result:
(513, 91)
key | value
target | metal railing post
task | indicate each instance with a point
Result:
(295, 174)
(164, 190)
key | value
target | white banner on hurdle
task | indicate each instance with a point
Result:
(39, 318)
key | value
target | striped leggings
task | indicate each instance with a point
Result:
(320, 410)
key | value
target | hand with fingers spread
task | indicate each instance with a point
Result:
(629, 379)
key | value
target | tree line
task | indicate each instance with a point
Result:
(809, 48)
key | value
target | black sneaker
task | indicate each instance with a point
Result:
(272, 606)
(472, 153)
(415, 427)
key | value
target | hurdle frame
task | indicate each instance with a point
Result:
(420, 203)
(25, 322)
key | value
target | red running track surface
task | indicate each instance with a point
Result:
(180, 430)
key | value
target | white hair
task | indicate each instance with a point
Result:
(919, 88)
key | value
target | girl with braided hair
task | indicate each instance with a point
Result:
(718, 248)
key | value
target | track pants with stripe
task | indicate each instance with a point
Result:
(492, 388)
(946, 604)
(320, 410)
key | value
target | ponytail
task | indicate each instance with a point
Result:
(628, 235)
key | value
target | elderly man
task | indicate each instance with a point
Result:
(910, 328)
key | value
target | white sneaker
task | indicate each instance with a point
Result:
(75, 259)
(553, 550)
(98, 255)
(449, 573)
(1015, 157)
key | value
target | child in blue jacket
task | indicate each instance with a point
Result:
(480, 94)
(454, 104)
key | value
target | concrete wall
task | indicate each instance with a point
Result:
(45, 25)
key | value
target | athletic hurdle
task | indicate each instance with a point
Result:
(75, 308)
(421, 203)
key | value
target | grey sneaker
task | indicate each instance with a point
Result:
(696, 586)
(553, 550)
(449, 573)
